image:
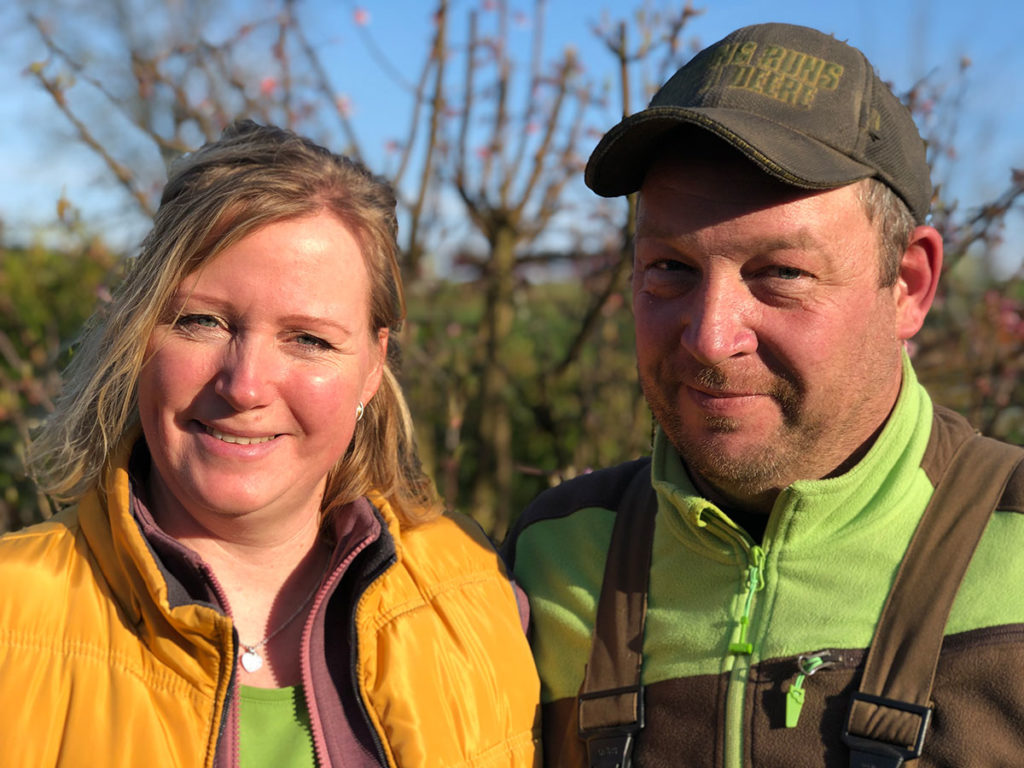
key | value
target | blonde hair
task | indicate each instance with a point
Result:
(252, 176)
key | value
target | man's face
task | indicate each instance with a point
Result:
(765, 346)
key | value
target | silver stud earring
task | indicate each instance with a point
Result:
(359, 411)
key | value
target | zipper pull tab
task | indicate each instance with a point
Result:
(742, 647)
(795, 701)
(755, 582)
(796, 694)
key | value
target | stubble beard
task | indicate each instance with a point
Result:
(770, 466)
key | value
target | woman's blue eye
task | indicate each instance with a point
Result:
(205, 321)
(312, 341)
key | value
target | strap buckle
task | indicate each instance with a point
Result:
(867, 752)
(611, 746)
(611, 750)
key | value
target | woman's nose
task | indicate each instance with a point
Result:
(247, 374)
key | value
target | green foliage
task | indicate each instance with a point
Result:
(588, 415)
(45, 297)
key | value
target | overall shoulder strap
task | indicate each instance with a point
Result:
(889, 716)
(611, 702)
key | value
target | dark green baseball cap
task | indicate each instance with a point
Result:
(808, 109)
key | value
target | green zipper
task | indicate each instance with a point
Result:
(740, 650)
(755, 583)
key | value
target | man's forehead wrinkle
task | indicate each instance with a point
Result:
(755, 244)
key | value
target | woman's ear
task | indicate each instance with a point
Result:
(373, 378)
(918, 280)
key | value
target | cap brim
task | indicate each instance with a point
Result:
(618, 164)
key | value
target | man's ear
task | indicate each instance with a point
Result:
(918, 279)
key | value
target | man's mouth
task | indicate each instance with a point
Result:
(720, 392)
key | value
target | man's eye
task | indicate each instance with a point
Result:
(669, 265)
(788, 273)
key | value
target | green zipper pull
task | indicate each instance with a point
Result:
(795, 701)
(755, 581)
(796, 693)
(742, 646)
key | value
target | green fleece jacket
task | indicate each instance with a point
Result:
(814, 587)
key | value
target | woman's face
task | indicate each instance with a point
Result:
(253, 375)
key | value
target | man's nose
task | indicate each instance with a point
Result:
(718, 325)
(248, 372)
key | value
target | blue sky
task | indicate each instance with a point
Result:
(905, 39)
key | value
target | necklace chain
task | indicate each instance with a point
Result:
(251, 659)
